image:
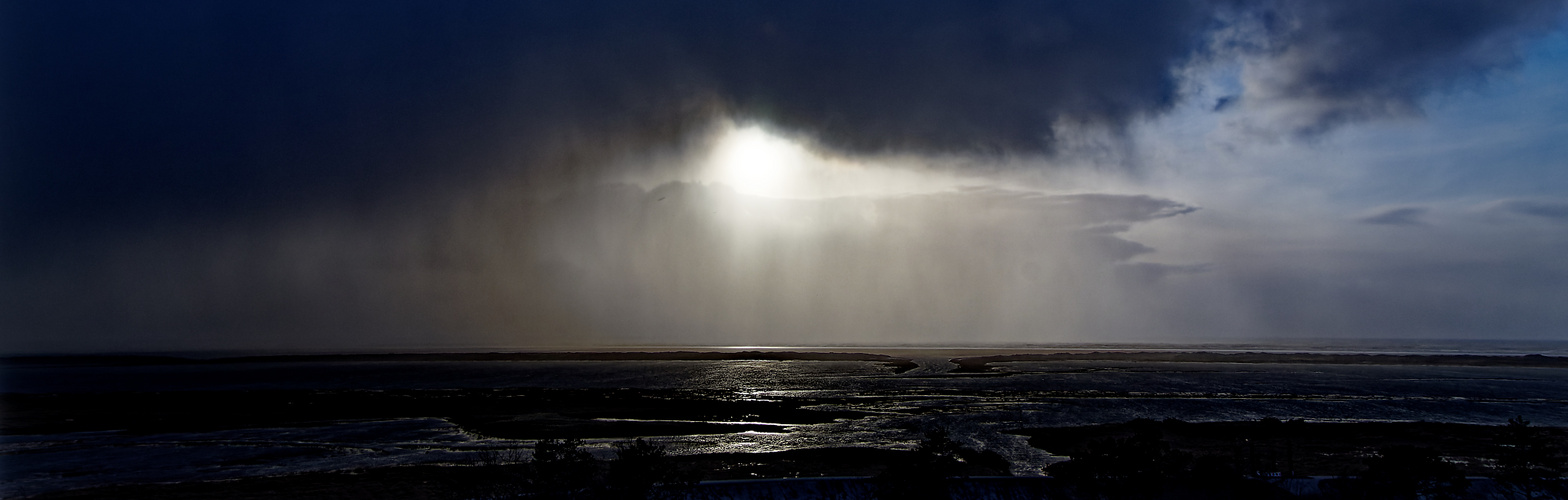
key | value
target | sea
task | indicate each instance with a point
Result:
(977, 409)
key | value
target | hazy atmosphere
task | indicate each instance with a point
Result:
(400, 175)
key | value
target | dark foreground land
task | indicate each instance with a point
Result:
(1297, 448)
(532, 421)
(1137, 459)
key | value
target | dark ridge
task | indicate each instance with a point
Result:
(97, 360)
(981, 364)
(898, 364)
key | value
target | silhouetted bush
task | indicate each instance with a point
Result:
(489, 458)
(561, 469)
(925, 475)
(642, 469)
(1212, 468)
(1145, 466)
(1144, 458)
(503, 473)
(1405, 472)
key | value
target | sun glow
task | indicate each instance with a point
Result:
(754, 162)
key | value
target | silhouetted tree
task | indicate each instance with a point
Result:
(1525, 462)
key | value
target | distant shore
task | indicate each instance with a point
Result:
(897, 363)
(900, 359)
(981, 364)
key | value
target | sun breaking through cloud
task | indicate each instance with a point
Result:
(325, 175)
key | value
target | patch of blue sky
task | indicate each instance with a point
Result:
(1504, 136)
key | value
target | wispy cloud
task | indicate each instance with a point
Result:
(1396, 216)
(1555, 210)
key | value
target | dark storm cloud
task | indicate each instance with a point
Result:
(175, 107)
(1396, 216)
(1338, 61)
(142, 110)
(127, 114)
(960, 76)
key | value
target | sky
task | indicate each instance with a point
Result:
(341, 175)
